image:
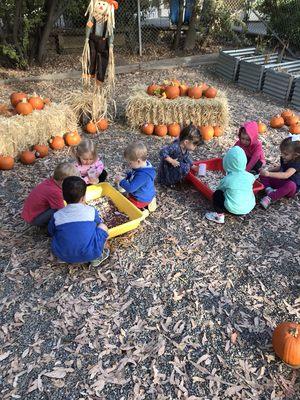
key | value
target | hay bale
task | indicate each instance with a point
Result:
(20, 132)
(142, 108)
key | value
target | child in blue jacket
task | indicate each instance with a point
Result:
(139, 182)
(78, 234)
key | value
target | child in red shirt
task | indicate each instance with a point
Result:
(46, 198)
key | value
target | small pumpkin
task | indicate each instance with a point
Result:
(24, 108)
(174, 129)
(6, 163)
(286, 343)
(262, 128)
(195, 92)
(27, 157)
(148, 129)
(204, 86)
(207, 132)
(102, 124)
(295, 129)
(57, 143)
(160, 130)
(41, 150)
(277, 122)
(16, 97)
(47, 101)
(72, 138)
(286, 113)
(36, 102)
(172, 92)
(291, 120)
(175, 82)
(183, 90)
(210, 93)
(91, 127)
(218, 131)
(153, 88)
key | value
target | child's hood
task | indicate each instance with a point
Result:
(148, 170)
(235, 160)
(251, 129)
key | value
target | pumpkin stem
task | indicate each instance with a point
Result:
(294, 332)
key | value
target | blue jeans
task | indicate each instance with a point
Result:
(174, 11)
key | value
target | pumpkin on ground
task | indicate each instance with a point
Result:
(160, 130)
(210, 93)
(207, 132)
(6, 163)
(172, 92)
(295, 129)
(91, 127)
(36, 102)
(286, 343)
(262, 128)
(148, 129)
(16, 97)
(195, 92)
(27, 157)
(174, 129)
(102, 124)
(72, 138)
(41, 150)
(57, 143)
(277, 122)
(218, 131)
(24, 108)
(291, 120)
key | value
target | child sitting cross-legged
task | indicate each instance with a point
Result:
(139, 182)
(78, 233)
(46, 198)
(234, 195)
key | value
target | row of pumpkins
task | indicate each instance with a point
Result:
(174, 129)
(41, 150)
(24, 104)
(288, 118)
(174, 88)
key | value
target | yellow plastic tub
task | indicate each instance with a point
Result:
(135, 215)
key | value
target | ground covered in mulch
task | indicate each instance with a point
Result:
(183, 309)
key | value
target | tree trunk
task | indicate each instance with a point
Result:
(206, 19)
(50, 10)
(16, 27)
(179, 26)
(190, 39)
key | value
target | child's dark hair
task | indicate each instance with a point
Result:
(192, 134)
(292, 147)
(74, 189)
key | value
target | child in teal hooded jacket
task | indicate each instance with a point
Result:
(234, 194)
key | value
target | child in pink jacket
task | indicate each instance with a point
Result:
(252, 146)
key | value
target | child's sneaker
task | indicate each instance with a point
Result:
(269, 190)
(152, 206)
(265, 202)
(215, 217)
(100, 260)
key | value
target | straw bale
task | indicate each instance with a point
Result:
(20, 132)
(142, 108)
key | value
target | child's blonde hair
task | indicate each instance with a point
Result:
(64, 170)
(136, 151)
(84, 147)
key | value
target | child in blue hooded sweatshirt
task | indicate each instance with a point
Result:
(139, 182)
(234, 194)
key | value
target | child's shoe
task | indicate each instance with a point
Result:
(152, 206)
(100, 260)
(215, 217)
(269, 190)
(265, 202)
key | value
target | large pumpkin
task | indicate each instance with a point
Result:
(207, 132)
(24, 108)
(195, 92)
(210, 93)
(174, 129)
(277, 122)
(6, 162)
(291, 120)
(102, 124)
(57, 143)
(286, 343)
(36, 102)
(262, 128)
(16, 97)
(295, 129)
(72, 138)
(41, 150)
(148, 129)
(172, 92)
(160, 130)
(27, 157)
(91, 127)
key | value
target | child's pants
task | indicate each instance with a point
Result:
(138, 204)
(43, 218)
(218, 202)
(284, 187)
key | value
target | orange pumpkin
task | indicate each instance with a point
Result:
(295, 129)
(153, 88)
(16, 97)
(72, 138)
(174, 129)
(183, 90)
(172, 92)
(6, 163)
(218, 131)
(291, 120)
(286, 113)
(102, 124)
(210, 93)
(277, 122)
(27, 157)
(207, 132)
(175, 82)
(286, 343)
(160, 130)
(24, 108)
(148, 129)
(57, 143)
(91, 127)
(41, 150)
(204, 86)
(195, 92)
(262, 128)
(36, 102)
(47, 101)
